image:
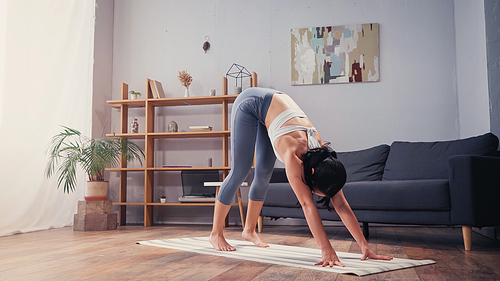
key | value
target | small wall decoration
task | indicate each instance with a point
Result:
(206, 45)
(335, 54)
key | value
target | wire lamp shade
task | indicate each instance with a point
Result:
(237, 71)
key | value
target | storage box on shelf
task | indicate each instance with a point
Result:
(150, 104)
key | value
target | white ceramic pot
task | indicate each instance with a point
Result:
(97, 191)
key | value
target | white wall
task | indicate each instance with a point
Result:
(416, 98)
(47, 63)
(102, 68)
(3, 34)
(472, 74)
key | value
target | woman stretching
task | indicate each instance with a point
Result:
(273, 124)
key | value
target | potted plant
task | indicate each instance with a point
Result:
(134, 95)
(70, 149)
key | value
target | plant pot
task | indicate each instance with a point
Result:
(133, 97)
(97, 191)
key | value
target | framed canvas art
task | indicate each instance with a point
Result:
(335, 54)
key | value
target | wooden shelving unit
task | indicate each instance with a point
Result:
(150, 104)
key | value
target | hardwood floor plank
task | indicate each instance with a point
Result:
(64, 254)
(210, 270)
(416, 248)
(342, 240)
(279, 272)
(309, 274)
(389, 245)
(246, 270)
(469, 265)
(164, 268)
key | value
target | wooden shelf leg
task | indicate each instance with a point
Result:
(122, 215)
(259, 223)
(240, 204)
(467, 234)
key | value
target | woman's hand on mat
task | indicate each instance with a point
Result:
(329, 258)
(369, 254)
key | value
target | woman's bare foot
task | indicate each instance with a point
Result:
(254, 238)
(219, 243)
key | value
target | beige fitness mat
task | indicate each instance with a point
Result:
(287, 255)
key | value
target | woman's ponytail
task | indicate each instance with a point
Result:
(329, 174)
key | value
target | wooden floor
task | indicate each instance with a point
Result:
(64, 254)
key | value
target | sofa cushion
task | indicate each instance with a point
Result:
(407, 195)
(365, 165)
(279, 175)
(281, 195)
(429, 160)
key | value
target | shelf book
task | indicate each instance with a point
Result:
(156, 89)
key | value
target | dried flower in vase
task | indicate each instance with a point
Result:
(185, 78)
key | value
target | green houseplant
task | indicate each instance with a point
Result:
(69, 149)
(134, 95)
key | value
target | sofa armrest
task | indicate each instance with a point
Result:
(474, 190)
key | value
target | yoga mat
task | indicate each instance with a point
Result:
(287, 255)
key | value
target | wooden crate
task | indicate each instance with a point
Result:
(95, 216)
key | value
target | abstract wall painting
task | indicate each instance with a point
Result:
(335, 54)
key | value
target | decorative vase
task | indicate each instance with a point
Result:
(134, 126)
(97, 191)
(172, 127)
(237, 90)
(186, 93)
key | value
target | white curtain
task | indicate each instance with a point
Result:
(46, 60)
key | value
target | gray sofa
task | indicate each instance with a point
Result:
(418, 183)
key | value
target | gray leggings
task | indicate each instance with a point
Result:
(249, 134)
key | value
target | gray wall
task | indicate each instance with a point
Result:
(492, 11)
(472, 74)
(424, 91)
(492, 19)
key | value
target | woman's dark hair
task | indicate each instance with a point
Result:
(329, 174)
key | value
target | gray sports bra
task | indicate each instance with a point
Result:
(275, 130)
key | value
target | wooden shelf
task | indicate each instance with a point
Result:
(149, 136)
(128, 136)
(191, 168)
(133, 103)
(202, 100)
(184, 135)
(166, 169)
(128, 204)
(171, 204)
(126, 169)
(176, 135)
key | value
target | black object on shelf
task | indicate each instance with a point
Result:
(238, 72)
